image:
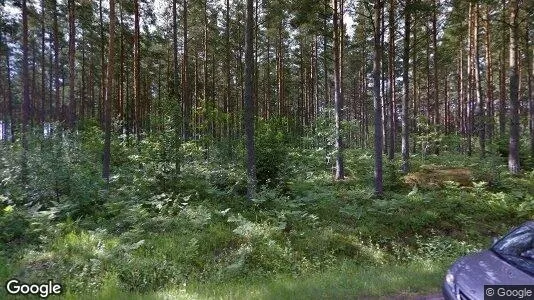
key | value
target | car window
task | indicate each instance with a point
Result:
(517, 248)
(516, 242)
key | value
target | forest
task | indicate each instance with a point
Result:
(260, 149)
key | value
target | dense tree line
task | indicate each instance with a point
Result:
(419, 73)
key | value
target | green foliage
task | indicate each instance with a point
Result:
(16, 228)
(271, 152)
(150, 229)
(429, 137)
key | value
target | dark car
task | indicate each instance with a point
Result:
(510, 261)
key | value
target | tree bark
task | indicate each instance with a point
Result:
(489, 77)
(470, 71)
(137, 70)
(502, 78)
(174, 90)
(10, 96)
(249, 105)
(513, 73)
(25, 93)
(377, 101)
(109, 93)
(338, 95)
(121, 92)
(102, 100)
(185, 77)
(228, 93)
(481, 126)
(72, 57)
(42, 112)
(405, 125)
(530, 97)
(391, 69)
(56, 61)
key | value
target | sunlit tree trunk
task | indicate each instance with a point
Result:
(56, 61)
(338, 96)
(227, 99)
(480, 110)
(513, 73)
(377, 101)
(470, 62)
(174, 89)
(72, 76)
(121, 98)
(391, 68)
(25, 92)
(489, 77)
(502, 76)
(405, 124)
(109, 93)
(248, 99)
(9, 92)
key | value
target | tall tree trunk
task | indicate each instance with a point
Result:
(502, 78)
(249, 105)
(461, 95)
(280, 73)
(383, 98)
(72, 53)
(33, 93)
(42, 112)
(56, 61)
(435, 84)
(206, 104)
(174, 89)
(3, 107)
(470, 62)
(10, 102)
(377, 101)
(195, 98)
(25, 92)
(513, 73)
(391, 69)
(270, 99)
(3, 110)
(481, 126)
(102, 100)
(338, 95)
(120, 99)
(256, 93)
(489, 77)
(530, 66)
(227, 99)
(326, 100)
(137, 70)
(415, 107)
(405, 125)
(83, 103)
(185, 76)
(109, 93)
(446, 106)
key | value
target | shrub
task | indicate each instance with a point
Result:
(271, 153)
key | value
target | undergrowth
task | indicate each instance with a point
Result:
(153, 232)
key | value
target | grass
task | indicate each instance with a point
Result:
(345, 281)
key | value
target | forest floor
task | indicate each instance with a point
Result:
(154, 234)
